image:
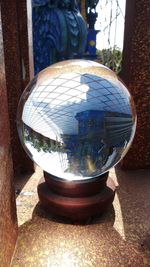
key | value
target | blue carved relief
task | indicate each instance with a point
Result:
(59, 32)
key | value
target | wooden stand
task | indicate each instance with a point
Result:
(77, 200)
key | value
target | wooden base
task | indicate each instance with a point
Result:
(76, 207)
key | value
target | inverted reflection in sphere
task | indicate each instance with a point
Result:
(76, 119)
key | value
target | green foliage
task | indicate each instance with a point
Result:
(111, 57)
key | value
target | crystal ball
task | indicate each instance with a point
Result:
(76, 119)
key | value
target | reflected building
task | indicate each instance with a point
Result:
(101, 138)
(100, 134)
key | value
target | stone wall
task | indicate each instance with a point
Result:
(15, 36)
(136, 74)
(8, 220)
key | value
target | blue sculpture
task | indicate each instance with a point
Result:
(59, 32)
(91, 15)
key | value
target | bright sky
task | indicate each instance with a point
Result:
(103, 21)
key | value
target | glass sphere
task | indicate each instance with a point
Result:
(76, 119)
